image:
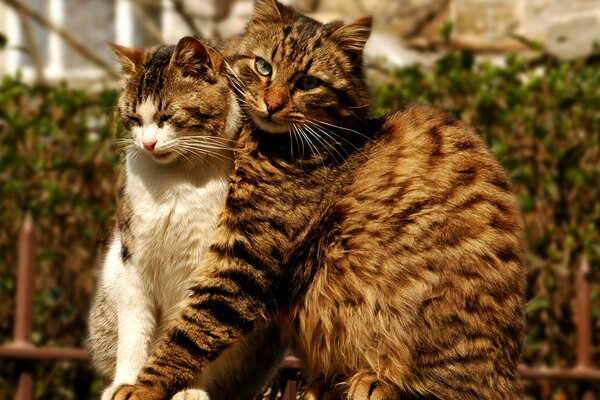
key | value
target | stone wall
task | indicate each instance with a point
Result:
(567, 28)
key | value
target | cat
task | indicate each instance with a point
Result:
(391, 249)
(182, 120)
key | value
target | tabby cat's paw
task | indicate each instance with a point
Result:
(366, 386)
(191, 394)
(109, 392)
(136, 392)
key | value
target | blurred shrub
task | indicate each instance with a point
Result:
(56, 161)
(542, 120)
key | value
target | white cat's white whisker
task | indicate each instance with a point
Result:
(208, 138)
(203, 141)
(208, 146)
(182, 154)
(207, 152)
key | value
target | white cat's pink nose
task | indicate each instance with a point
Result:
(149, 144)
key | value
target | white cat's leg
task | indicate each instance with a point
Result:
(194, 392)
(136, 321)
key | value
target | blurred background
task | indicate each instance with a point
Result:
(526, 73)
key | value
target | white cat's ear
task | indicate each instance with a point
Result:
(353, 36)
(130, 58)
(192, 57)
(269, 11)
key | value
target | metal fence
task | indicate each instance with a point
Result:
(26, 354)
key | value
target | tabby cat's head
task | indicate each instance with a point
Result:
(292, 71)
(175, 100)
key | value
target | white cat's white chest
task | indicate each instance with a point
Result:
(174, 218)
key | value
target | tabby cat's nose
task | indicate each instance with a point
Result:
(273, 106)
(275, 100)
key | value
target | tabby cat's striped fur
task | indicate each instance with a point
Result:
(390, 249)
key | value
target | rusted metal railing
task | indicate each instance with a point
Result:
(583, 370)
(22, 350)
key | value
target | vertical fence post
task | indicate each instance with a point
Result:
(290, 389)
(24, 305)
(584, 324)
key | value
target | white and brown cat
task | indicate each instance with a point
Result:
(182, 119)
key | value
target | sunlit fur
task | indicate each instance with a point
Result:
(390, 248)
(169, 204)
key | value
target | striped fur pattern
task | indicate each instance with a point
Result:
(389, 249)
(182, 119)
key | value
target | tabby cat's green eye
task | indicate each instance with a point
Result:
(263, 67)
(307, 83)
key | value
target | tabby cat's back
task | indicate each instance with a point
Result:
(427, 265)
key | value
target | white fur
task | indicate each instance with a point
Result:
(175, 207)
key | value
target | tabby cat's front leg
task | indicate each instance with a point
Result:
(224, 304)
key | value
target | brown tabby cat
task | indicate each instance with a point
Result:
(390, 249)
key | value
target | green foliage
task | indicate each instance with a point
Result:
(55, 161)
(542, 121)
(446, 30)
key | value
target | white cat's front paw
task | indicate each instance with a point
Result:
(191, 394)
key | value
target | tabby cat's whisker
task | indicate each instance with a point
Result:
(347, 129)
(325, 144)
(233, 73)
(291, 143)
(329, 133)
(242, 99)
(303, 127)
(300, 138)
(356, 107)
(309, 142)
(305, 134)
(237, 88)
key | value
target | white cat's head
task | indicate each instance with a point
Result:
(175, 102)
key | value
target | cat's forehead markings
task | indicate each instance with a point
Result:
(146, 110)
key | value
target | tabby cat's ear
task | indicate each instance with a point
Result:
(351, 37)
(269, 11)
(193, 58)
(130, 58)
